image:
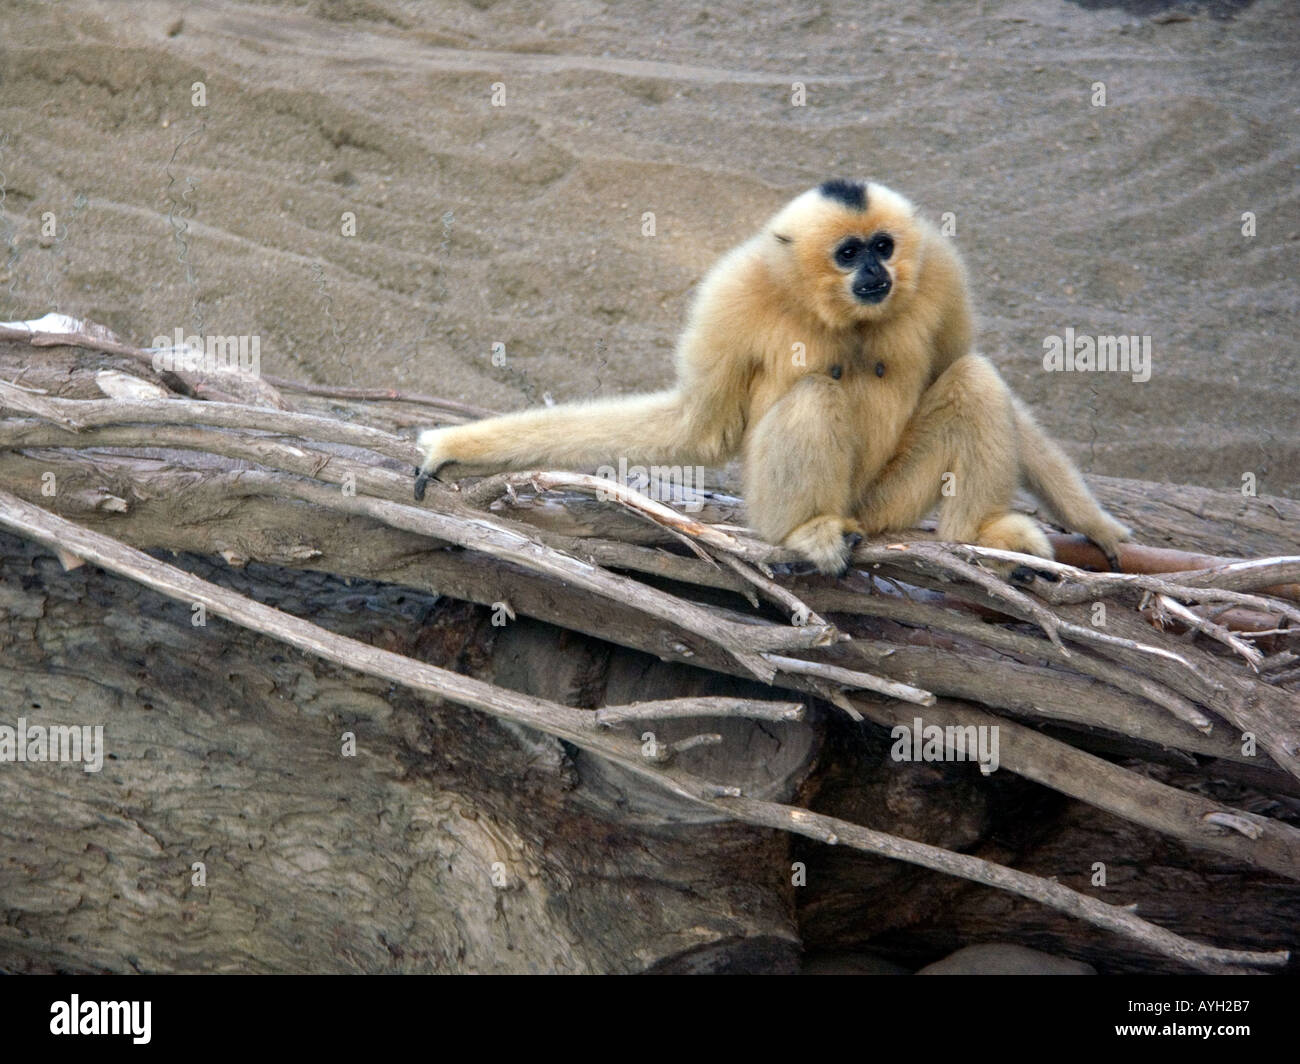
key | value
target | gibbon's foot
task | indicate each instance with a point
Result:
(1106, 536)
(827, 542)
(1017, 532)
(1020, 533)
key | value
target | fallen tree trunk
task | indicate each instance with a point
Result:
(514, 807)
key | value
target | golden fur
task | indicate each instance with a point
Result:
(853, 413)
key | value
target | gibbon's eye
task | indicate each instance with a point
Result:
(846, 254)
(883, 245)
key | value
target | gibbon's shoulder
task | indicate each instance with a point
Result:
(729, 291)
(943, 274)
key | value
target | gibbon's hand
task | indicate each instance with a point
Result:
(434, 443)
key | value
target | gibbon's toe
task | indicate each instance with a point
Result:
(827, 542)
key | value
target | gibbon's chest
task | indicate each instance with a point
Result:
(879, 382)
(881, 395)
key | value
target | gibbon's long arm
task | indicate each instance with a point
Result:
(700, 422)
(642, 428)
(1053, 478)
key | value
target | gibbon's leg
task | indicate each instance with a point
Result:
(642, 429)
(798, 473)
(1053, 478)
(962, 436)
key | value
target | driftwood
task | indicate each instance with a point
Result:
(1176, 699)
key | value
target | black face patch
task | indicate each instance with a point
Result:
(853, 194)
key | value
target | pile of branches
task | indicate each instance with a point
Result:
(1179, 653)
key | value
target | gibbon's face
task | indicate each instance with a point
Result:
(852, 250)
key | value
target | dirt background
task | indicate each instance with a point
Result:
(522, 224)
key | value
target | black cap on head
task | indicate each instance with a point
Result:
(853, 194)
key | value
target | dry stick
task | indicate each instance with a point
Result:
(475, 531)
(704, 706)
(1262, 710)
(612, 490)
(935, 559)
(1063, 899)
(564, 722)
(1242, 575)
(1216, 632)
(1063, 592)
(660, 753)
(928, 616)
(383, 395)
(1079, 585)
(1031, 690)
(852, 679)
(1162, 561)
(688, 571)
(800, 612)
(1103, 643)
(79, 414)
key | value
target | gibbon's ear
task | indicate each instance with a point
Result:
(782, 239)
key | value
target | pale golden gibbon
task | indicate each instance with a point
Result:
(832, 352)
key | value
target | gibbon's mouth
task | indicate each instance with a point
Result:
(872, 293)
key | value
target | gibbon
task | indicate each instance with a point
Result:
(832, 351)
